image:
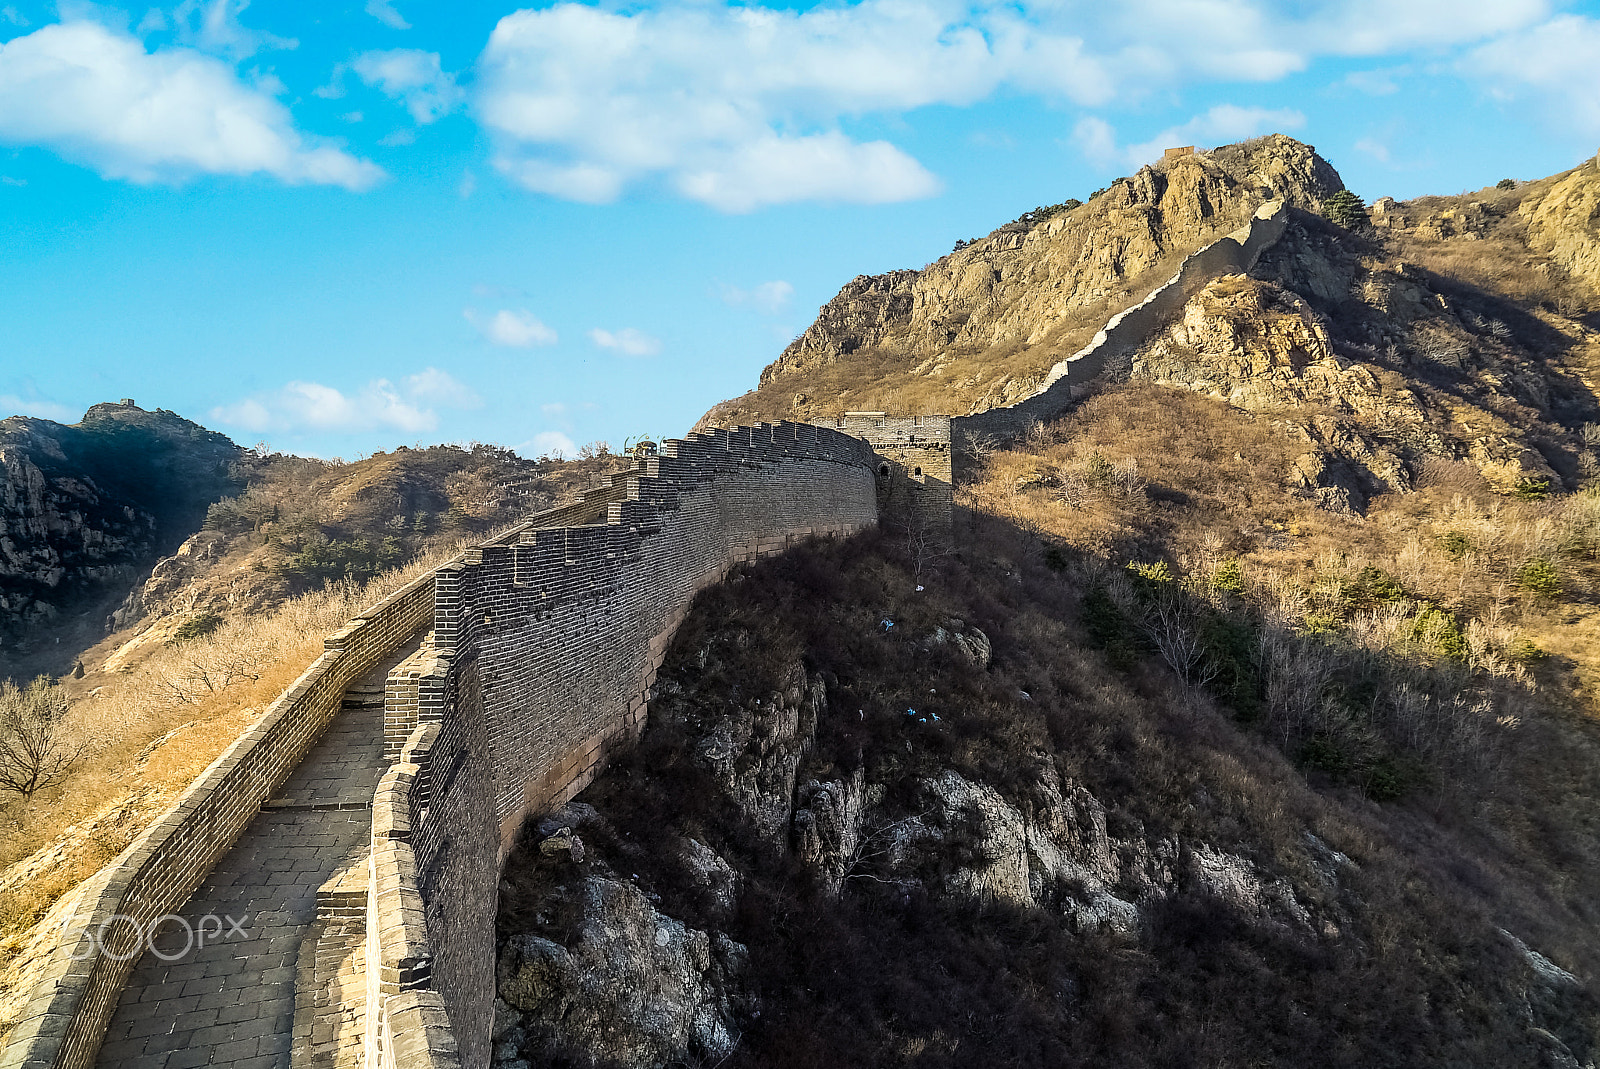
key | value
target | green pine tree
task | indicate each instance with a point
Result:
(1345, 209)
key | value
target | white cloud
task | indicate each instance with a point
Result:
(7, 180)
(414, 77)
(1374, 148)
(97, 97)
(518, 330)
(13, 16)
(379, 405)
(627, 341)
(549, 444)
(215, 27)
(384, 12)
(776, 169)
(468, 184)
(769, 298)
(741, 106)
(1219, 125)
(1097, 140)
(1375, 27)
(335, 87)
(736, 107)
(12, 405)
(1556, 64)
(1373, 83)
(441, 388)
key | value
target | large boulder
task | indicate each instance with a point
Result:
(632, 987)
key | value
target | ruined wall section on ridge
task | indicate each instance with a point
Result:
(1129, 329)
(545, 651)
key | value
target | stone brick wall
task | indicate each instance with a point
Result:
(544, 653)
(545, 646)
(63, 1024)
(1128, 330)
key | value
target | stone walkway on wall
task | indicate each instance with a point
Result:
(232, 1001)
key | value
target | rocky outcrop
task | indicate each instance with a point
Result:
(1377, 365)
(987, 322)
(754, 754)
(1014, 285)
(597, 969)
(84, 509)
(1261, 348)
(631, 987)
(1565, 223)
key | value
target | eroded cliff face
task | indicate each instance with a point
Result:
(980, 326)
(1453, 329)
(1385, 365)
(1565, 222)
(86, 508)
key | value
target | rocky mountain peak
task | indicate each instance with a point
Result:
(986, 321)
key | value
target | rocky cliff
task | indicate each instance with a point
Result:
(86, 508)
(1452, 329)
(1564, 222)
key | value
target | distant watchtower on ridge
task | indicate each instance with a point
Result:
(914, 478)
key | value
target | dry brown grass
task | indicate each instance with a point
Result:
(1212, 476)
(1498, 259)
(1142, 472)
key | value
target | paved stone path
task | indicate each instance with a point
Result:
(232, 1000)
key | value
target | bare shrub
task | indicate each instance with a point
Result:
(34, 750)
(926, 542)
(1172, 628)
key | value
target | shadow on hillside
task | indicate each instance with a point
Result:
(891, 972)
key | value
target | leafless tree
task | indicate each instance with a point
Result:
(927, 542)
(34, 752)
(1170, 626)
(980, 447)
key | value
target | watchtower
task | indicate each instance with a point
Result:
(914, 480)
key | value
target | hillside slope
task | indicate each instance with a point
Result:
(300, 523)
(1251, 715)
(957, 817)
(130, 518)
(85, 508)
(981, 326)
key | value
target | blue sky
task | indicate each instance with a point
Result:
(342, 227)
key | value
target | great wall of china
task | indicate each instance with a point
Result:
(365, 816)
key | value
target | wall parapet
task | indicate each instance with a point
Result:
(497, 716)
(407, 1024)
(63, 1024)
(545, 647)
